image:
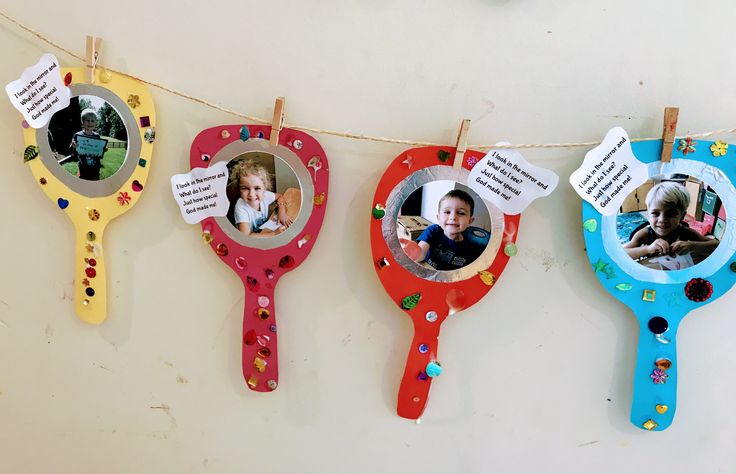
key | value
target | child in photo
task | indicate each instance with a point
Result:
(667, 234)
(251, 208)
(89, 166)
(444, 246)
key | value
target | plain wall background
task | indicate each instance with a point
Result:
(537, 375)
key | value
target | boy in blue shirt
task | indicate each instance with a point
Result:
(444, 246)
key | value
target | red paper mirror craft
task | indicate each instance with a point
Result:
(421, 203)
(292, 169)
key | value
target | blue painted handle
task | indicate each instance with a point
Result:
(655, 387)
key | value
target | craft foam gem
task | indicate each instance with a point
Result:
(264, 352)
(663, 364)
(249, 338)
(30, 153)
(221, 249)
(24, 124)
(443, 155)
(133, 101)
(510, 249)
(659, 376)
(733, 266)
(205, 157)
(415, 399)
(262, 340)
(649, 425)
(433, 369)
(269, 274)
(91, 261)
(240, 263)
(123, 198)
(487, 277)
(91, 236)
(105, 76)
(423, 348)
(90, 272)
(591, 225)
(472, 161)
(719, 148)
(42, 181)
(303, 240)
(142, 162)
(431, 316)
(263, 301)
(244, 133)
(687, 145)
(649, 295)
(409, 161)
(698, 290)
(319, 199)
(85, 282)
(252, 382)
(90, 291)
(67, 79)
(252, 284)
(136, 186)
(259, 364)
(297, 144)
(262, 314)
(63, 203)
(93, 214)
(150, 135)
(287, 261)
(379, 211)
(455, 299)
(411, 301)
(661, 409)
(224, 134)
(85, 302)
(422, 376)
(624, 287)
(272, 328)
(382, 262)
(272, 384)
(206, 237)
(145, 121)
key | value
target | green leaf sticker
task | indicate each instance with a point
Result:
(30, 153)
(443, 155)
(624, 286)
(411, 301)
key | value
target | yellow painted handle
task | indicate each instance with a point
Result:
(90, 282)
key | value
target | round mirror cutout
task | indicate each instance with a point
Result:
(88, 138)
(264, 193)
(443, 225)
(671, 222)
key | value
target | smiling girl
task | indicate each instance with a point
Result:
(251, 209)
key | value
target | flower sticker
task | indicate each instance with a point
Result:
(659, 376)
(719, 148)
(687, 145)
(134, 101)
(123, 198)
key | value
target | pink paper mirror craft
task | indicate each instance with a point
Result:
(277, 193)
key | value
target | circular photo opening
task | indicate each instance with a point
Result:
(671, 222)
(264, 194)
(443, 225)
(88, 138)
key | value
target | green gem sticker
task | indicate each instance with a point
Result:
(378, 212)
(591, 225)
(510, 249)
(443, 155)
(624, 286)
(411, 301)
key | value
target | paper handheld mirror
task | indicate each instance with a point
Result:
(276, 199)
(92, 160)
(667, 251)
(422, 192)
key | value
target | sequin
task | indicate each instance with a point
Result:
(661, 409)
(415, 399)
(649, 425)
(241, 263)
(133, 101)
(433, 369)
(510, 249)
(91, 236)
(659, 376)
(262, 340)
(272, 384)
(663, 364)
(93, 214)
(89, 291)
(136, 186)
(297, 144)
(431, 316)
(91, 261)
(150, 135)
(422, 376)
(262, 313)
(423, 348)
(263, 301)
(319, 199)
(719, 148)
(487, 277)
(123, 198)
(145, 121)
(42, 181)
(252, 284)
(259, 364)
(269, 274)
(244, 133)
(221, 249)
(224, 134)
(649, 295)
(85, 302)
(687, 145)
(263, 352)
(90, 272)
(287, 261)
(206, 238)
(303, 241)
(252, 382)
(272, 328)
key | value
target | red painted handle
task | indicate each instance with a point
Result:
(260, 357)
(414, 389)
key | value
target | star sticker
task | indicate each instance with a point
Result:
(409, 161)
(600, 266)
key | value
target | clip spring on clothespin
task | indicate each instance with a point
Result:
(277, 123)
(462, 143)
(93, 53)
(668, 132)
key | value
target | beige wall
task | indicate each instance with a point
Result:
(537, 375)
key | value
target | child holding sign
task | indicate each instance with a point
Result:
(444, 246)
(251, 209)
(666, 232)
(88, 147)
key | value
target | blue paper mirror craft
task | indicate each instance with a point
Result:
(663, 269)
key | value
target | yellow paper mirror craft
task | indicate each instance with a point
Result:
(92, 159)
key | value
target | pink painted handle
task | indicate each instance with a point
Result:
(414, 388)
(260, 356)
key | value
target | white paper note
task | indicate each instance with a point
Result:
(201, 192)
(40, 92)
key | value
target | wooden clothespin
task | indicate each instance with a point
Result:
(462, 143)
(93, 53)
(277, 123)
(668, 132)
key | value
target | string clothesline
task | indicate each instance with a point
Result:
(323, 131)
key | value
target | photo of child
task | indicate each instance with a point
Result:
(678, 223)
(445, 240)
(98, 149)
(264, 194)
